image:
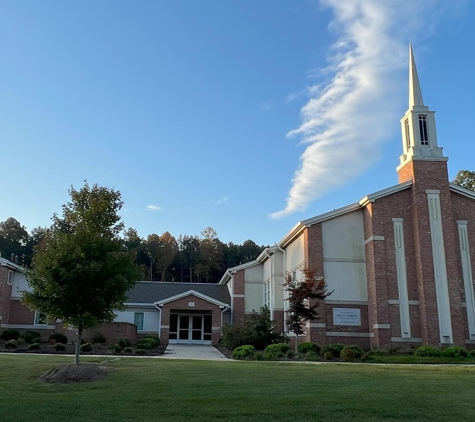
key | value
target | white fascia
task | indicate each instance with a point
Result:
(193, 293)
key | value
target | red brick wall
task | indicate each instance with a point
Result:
(113, 331)
(239, 314)
(5, 295)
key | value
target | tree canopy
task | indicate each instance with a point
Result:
(304, 297)
(83, 270)
(465, 179)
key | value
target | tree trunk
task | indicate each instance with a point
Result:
(296, 343)
(78, 345)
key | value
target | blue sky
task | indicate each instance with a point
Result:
(200, 112)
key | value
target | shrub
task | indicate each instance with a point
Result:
(455, 352)
(59, 338)
(377, 352)
(10, 334)
(311, 356)
(394, 350)
(86, 347)
(153, 337)
(328, 356)
(115, 348)
(274, 351)
(334, 349)
(357, 350)
(123, 342)
(308, 346)
(427, 351)
(246, 352)
(141, 351)
(60, 347)
(290, 354)
(471, 353)
(348, 355)
(31, 337)
(11, 344)
(34, 346)
(146, 343)
(258, 331)
(128, 350)
(98, 338)
(52, 342)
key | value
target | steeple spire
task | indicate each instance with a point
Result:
(419, 137)
(415, 93)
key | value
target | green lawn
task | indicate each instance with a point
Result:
(172, 390)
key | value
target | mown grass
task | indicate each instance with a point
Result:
(170, 390)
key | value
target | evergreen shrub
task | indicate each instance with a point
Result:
(60, 347)
(98, 338)
(334, 349)
(34, 346)
(274, 351)
(124, 342)
(308, 346)
(427, 351)
(246, 352)
(455, 352)
(11, 344)
(357, 350)
(59, 338)
(153, 337)
(31, 337)
(10, 334)
(348, 355)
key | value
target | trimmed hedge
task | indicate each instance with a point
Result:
(455, 352)
(334, 349)
(274, 351)
(307, 347)
(31, 337)
(10, 334)
(246, 352)
(59, 338)
(427, 351)
(357, 350)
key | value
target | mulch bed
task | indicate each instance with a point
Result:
(69, 374)
(97, 349)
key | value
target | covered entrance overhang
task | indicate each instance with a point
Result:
(191, 318)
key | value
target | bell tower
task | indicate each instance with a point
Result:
(419, 136)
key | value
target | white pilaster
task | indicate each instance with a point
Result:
(440, 268)
(402, 278)
(467, 277)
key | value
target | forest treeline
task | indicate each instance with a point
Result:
(198, 258)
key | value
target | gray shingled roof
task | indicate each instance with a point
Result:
(154, 291)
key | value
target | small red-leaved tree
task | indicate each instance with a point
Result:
(304, 297)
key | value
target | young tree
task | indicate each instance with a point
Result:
(304, 297)
(83, 271)
(465, 179)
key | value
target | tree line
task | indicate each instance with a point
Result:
(187, 258)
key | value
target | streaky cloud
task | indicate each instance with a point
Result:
(348, 118)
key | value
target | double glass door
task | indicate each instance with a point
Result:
(190, 329)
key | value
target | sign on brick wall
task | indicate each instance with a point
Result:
(347, 316)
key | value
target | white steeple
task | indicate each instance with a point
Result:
(419, 137)
(415, 93)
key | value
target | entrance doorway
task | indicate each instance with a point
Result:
(190, 329)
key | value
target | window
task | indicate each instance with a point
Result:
(10, 277)
(267, 294)
(138, 320)
(40, 318)
(408, 134)
(423, 129)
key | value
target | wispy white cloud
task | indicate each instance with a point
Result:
(153, 208)
(269, 105)
(347, 117)
(221, 200)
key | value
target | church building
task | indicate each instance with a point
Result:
(399, 264)
(399, 261)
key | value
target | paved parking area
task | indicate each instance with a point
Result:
(191, 351)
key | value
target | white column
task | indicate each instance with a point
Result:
(467, 277)
(402, 278)
(440, 267)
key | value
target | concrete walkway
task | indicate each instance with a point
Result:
(192, 351)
